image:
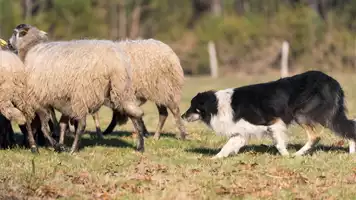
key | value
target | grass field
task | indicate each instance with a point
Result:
(173, 169)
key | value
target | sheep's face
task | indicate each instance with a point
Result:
(25, 34)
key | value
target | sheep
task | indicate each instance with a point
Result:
(10, 76)
(6, 131)
(11, 86)
(74, 77)
(157, 76)
(36, 124)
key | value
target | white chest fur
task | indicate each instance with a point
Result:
(223, 123)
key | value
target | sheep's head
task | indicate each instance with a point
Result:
(26, 36)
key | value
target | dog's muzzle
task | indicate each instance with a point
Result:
(191, 117)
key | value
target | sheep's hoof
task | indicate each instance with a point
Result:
(34, 150)
(181, 137)
(156, 136)
(146, 134)
(58, 148)
(61, 148)
(100, 136)
(140, 149)
(97, 136)
(72, 151)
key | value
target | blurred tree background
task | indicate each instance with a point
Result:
(248, 33)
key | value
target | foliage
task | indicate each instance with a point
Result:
(243, 39)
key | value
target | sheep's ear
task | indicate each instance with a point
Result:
(24, 31)
(3, 43)
(43, 32)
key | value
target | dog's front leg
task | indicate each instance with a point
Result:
(231, 147)
(352, 146)
(277, 131)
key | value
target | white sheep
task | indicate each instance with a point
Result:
(74, 77)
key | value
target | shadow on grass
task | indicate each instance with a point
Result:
(129, 133)
(93, 141)
(107, 141)
(266, 149)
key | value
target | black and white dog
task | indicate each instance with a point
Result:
(267, 109)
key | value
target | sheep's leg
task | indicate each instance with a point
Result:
(97, 125)
(55, 123)
(141, 123)
(10, 134)
(176, 113)
(44, 118)
(23, 128)
(31, 140)
(25, 135)
(79, 130)
(63, 125)
(163, 114)
(141, 129)
(113, 123)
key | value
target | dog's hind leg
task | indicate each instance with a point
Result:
(231, 147)
(313, 139)
(352, 146)
(277, 131)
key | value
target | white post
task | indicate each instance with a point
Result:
(284, 59)
(213, 60)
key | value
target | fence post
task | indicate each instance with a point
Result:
(213, 60)
(284, 59)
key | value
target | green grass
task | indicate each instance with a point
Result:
(173, 169)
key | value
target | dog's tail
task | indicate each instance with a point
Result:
(341, 125)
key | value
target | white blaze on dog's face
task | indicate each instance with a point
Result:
(192, 115)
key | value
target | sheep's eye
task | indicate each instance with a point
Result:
(22, 33)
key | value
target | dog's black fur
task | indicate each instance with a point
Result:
(309, 98)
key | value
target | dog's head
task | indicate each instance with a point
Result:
(202, 106)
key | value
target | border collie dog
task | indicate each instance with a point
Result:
(267, 109)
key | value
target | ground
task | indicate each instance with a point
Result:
(174, 169)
